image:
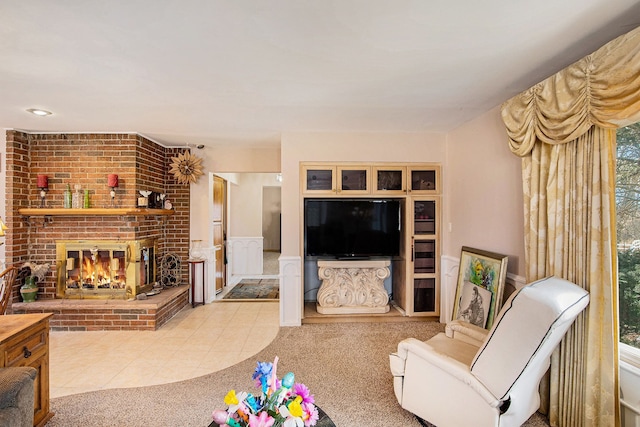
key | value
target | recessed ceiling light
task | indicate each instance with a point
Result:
(39, 112)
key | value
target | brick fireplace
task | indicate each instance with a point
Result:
(87, 160)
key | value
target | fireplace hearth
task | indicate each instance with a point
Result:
(105, 269)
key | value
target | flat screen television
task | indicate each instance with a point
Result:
(351, 228)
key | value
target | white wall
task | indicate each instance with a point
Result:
(246, 203)
(238, 159)
(483, 192)
(271, 208)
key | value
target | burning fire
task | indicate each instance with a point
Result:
(97, 272)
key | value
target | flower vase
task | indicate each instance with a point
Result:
(29, 290)
(68, 198)
(76, 198)
(196, 251)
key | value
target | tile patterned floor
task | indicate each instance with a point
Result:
(197, 341)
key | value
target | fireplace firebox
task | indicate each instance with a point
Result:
(105, 269)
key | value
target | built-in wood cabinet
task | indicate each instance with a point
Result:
(322, 179)
(376, 179)
(425, 253)
(24, 341)
(416, 274)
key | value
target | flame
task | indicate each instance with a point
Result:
(97, 273)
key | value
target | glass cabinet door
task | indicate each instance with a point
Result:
(319, 179)
(424, 180)
(424, 256)
(389, 180)
(424, 277)
(424, 217)
(353, 180)
(424, 295)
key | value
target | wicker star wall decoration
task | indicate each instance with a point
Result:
(186, 168)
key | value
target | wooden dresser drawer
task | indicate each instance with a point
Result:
(28, 335)
(23, 352)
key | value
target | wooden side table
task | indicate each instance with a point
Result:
(24, 341)
(193, 264)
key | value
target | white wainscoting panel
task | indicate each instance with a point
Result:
(448, 283)
(245, 256)
(290, 291)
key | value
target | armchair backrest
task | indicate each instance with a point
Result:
(528, 328)
(7, 280)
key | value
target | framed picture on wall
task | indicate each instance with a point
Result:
(481, 279)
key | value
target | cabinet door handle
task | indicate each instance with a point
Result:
(413, 249)
(26, 351)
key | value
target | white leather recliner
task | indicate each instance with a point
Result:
(469, 376)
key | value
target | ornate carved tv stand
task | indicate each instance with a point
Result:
(353, 287)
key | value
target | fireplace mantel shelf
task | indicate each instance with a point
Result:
(94, 212)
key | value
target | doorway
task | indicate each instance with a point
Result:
(252, 244)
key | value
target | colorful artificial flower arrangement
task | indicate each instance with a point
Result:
(282, 403)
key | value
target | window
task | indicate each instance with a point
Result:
(628, 232)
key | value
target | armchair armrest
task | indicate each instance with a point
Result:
(467, 332)
(17, 396)
(12, 380)
(453, 367)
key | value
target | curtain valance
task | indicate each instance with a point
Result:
(601, 89)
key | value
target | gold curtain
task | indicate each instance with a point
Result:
(568, 233)
(601, 89)
(564, 129)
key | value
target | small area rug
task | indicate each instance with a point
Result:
(260, 289)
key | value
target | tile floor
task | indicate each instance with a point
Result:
(197, 341)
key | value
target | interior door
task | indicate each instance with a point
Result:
(220, 230)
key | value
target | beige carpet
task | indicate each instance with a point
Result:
(345, 365)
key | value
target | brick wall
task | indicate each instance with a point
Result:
(94, 315)
(87, 159)
(176, 230)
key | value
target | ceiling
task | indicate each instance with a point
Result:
(218, 72)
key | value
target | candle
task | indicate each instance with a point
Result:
(70, 263)
(43, 181)
(112, 180)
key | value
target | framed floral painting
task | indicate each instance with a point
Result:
(481, 279)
